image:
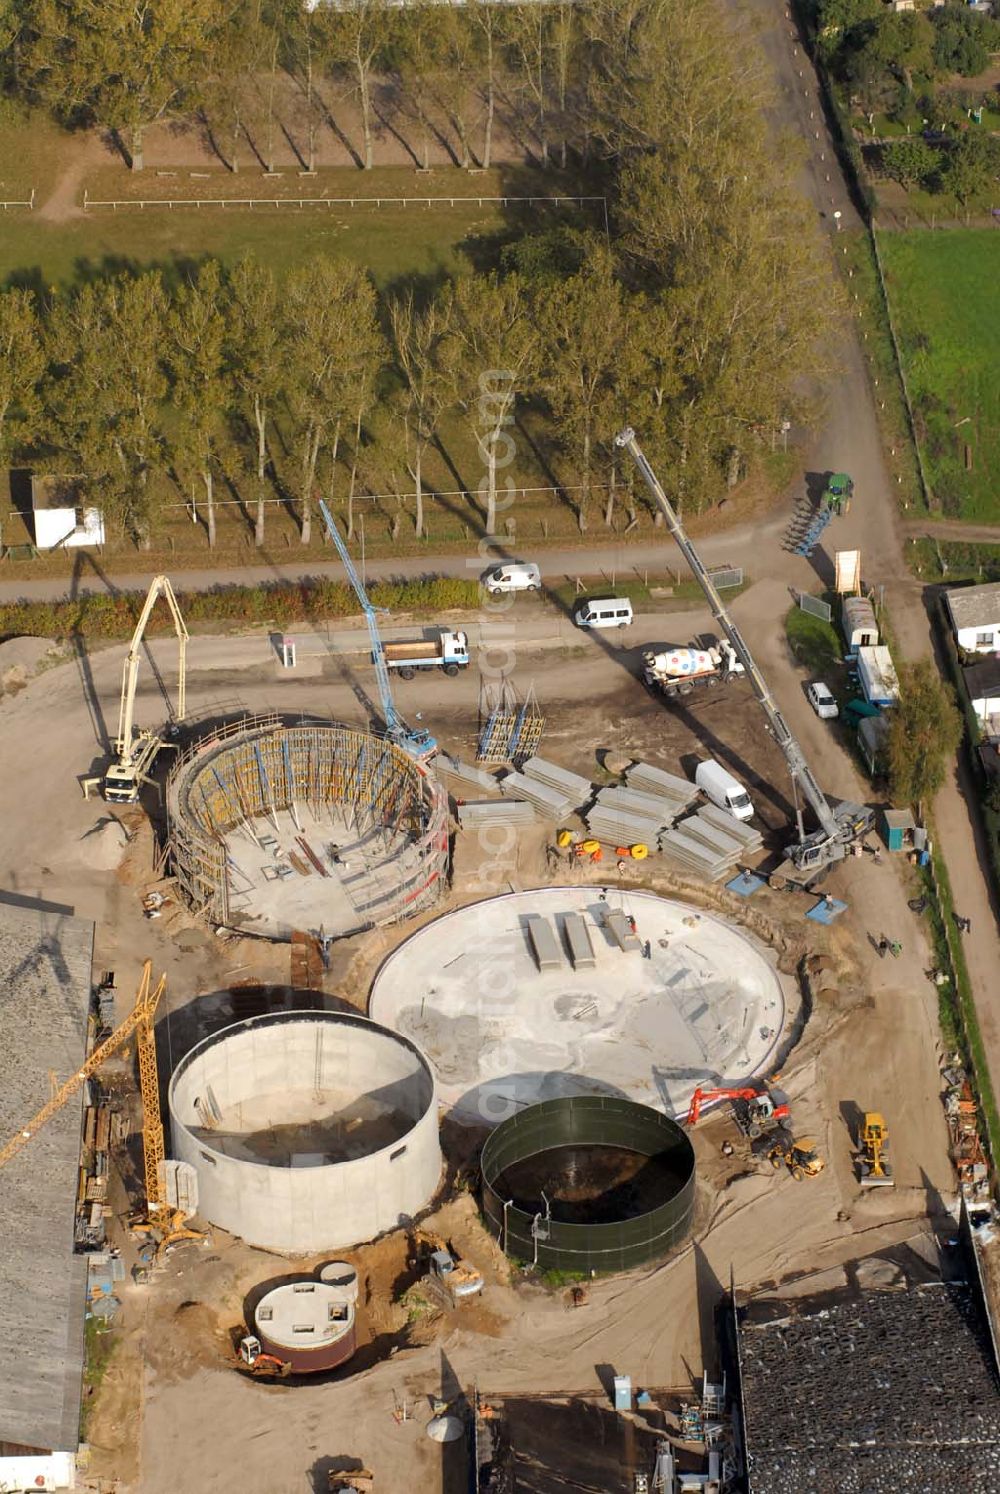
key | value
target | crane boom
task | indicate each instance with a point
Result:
(159, 586)
(420, 743)
(141, 1018)
(837, 826)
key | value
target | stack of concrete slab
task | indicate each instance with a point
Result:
(710, 843)
(550, 802)
(466, 773)
(648, 779)
(576, 789)
(623, 816)
(476, 812)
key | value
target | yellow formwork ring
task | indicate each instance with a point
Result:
(564, 838)
(590, 846)
(640, 852)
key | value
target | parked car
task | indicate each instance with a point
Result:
(513, 575)
(822, 701)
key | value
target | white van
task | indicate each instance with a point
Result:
(606, 612)
(513, 575)
(725, 791)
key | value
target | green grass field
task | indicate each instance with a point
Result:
(945, 295)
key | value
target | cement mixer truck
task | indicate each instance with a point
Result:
(678, 671)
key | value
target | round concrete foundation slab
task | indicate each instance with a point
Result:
(510, 1012)
(307, 1130)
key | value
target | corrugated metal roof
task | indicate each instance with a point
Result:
(45, 976)
(971, 605)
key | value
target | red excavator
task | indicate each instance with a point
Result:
(756, 1110)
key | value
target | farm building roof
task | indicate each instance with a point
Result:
(971, 605)
(870, 1392)
(45, 976)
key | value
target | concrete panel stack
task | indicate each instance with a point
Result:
(710, 843)
(514, 812)
(576, 789)
(651, 780)
(623, 826)
(466, 773)
(550, 802)
(750, 839)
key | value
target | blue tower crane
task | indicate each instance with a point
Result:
(418, 743)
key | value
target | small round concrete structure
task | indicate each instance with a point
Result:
(276, 828)
(588, 1184)
(308, 1130)
(542, 994)
(309, 1325)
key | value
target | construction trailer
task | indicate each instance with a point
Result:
(877, 676)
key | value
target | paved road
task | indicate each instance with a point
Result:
(851, 440)
(607, 560)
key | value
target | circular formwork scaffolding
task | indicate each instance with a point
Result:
(312, 826)
(564, 1151)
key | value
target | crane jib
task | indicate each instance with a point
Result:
(834, 830)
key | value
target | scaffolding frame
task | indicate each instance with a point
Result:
(511, 730)
(261, 766)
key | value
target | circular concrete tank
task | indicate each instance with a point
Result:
(308, 1130)
(588, 1183)
(307, 1324)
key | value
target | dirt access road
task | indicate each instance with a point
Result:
(850, 440)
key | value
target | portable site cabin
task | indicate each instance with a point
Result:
(877, 676)
(899, 829)
(61, 519)
(857, 619)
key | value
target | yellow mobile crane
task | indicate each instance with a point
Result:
(166, 1223)
(137, 750)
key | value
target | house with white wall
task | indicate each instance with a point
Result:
(975, 617)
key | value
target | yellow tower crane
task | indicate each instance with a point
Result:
(137, 750)
(166, 1222)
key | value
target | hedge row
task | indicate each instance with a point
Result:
(277, 604)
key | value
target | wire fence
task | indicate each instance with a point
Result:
(180, 203)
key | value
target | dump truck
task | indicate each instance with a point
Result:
(448, 652)
(872, 1155)
(678, 671)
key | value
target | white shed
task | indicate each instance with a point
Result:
(877, 676)
(61, 518)
(975, 617)
(857, 619)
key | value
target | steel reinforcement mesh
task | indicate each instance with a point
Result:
(254, 768)
(582, 1120)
